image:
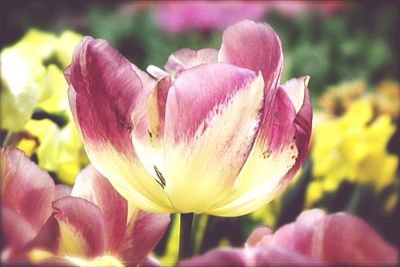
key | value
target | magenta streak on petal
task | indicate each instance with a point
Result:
(144, 231)
(303, 126)
(48, 237)
(106, 91)
(94, 187)
(277, 130)
(26, 189)
(86, 221)
(197, 92)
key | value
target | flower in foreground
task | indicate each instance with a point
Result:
(92, 224)
(214, 133)
(313, 239)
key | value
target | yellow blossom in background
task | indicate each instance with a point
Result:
(353, 147)
(387, 98)
(338, 98)
(31, 72)
(33, 81)
(60, 150)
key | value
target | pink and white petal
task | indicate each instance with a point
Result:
(82, 227)
(254, 46)
(147, 81)
(280, 150)
(25, 188)
(299, 235)
(62, 191)
(219, 257)
(303, 124)
(277, 256)
(347, 239)
(156, 106)
(48, 238)
(150, 150)
(15, 230)
(296, 90)
(105, 96)
(258, 235)
(187, 58)
(209, 131)
(143, 233)
(94, 187)
(257, 256)
(273, 155)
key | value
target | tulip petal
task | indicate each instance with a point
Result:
(298, 236)
(339, 238)
(62, 191)
(349, 240)
(15, 230)
(94, 187)
(254, 46)
(143, 233)
(276, 256)
(272, 156)
(150, 150)
(187, 58)
(82, 227)
(209, 132)
(278, 153)
(295, 89)
(47, 239)
(259, 256)
(25, 188)
(156, 105)
(303, 124)
(219, 257)
(107, 98)
(257, 235)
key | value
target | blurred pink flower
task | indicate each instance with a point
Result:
(294, 8)
(313, 239)
(93, 222)
(180, 16)
(215, 133)
(26, 196)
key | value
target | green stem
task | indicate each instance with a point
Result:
(185, 240)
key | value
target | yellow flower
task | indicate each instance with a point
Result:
(354, 148)
(339, 98)
(58, 150)
(31, 76)
(387, 98)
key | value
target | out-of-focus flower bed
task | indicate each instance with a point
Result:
(349, 50)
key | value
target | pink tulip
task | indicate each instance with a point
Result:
(313, 239)
(26, 196)
(177, 17)
(213, 133)
(94, 222)
(295, 8)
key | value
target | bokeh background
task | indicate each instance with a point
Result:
(350, 50)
